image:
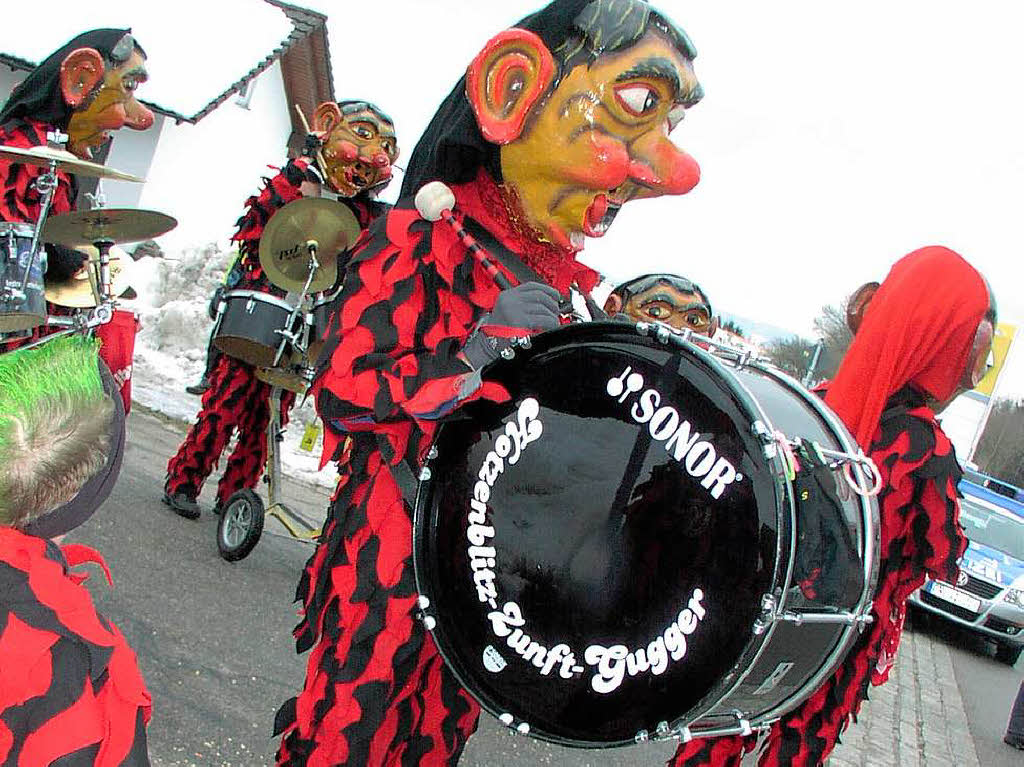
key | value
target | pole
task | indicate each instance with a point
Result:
(992, 399)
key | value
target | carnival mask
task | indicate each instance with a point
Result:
(359, 146)
(102, 96)
(668, 303)
(572, 156)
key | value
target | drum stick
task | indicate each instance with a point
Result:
(434, 202)
(321, 163)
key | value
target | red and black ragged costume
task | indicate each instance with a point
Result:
(376, 691)
(920, 535)
(20, 200)
(70, 687)
(913, 345)
(237, 399)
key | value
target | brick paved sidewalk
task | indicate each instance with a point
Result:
(917, 719)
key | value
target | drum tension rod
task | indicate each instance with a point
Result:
(770, 614)
(743, 727)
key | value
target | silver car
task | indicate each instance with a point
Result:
(988, 597)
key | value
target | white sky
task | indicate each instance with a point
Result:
(181, 77)
(834, 137)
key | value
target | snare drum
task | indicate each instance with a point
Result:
(250, 325)
(22, 304)
(614, 553)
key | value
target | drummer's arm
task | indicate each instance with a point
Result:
(389, 364)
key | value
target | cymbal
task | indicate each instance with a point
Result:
(284, 253)
(78, 292)
(84, 227)
(43, 155)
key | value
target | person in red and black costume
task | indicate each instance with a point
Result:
(358, 147)
(921, 338)
(70, 688)
(557, 123)
(86, 89)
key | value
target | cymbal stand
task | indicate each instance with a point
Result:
(103, 287)
(46, 185)
(77, 323)
(290, 334)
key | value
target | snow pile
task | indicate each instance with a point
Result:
(170, 349)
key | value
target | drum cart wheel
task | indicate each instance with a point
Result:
(240, 525)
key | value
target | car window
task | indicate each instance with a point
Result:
(991, 529)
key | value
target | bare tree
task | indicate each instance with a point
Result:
(1000, 451)
(792, 354)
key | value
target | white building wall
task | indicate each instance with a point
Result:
(131, 151)
(203, 173)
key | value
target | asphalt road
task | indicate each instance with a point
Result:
(988, 687)
(214, 638)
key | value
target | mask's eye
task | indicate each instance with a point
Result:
(638, 100)
(697, 320)
(363, 131)
(656, 311)
(675, 116)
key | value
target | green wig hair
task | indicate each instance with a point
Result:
(54, 425)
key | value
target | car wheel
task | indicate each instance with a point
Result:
(240, 525)
(1008, 653)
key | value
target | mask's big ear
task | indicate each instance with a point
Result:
(80, 72)
(613, 304)
(326, 117)
(858, 304)
(505, 80)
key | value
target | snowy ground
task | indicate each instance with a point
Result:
(170, 349)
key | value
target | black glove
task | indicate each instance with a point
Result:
(522, 309)
(62, 263)
(519, 311)
(214, 304)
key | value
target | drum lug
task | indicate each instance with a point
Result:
(523, 728)
(425, 474)
(641, 737)
(423, 604)
(432, 453)
(769, 614)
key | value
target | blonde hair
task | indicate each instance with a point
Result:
(54, 426)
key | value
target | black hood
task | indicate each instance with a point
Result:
(38, 97)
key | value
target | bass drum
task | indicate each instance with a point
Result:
(612, 554)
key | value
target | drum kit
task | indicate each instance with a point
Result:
(91, 293)
(282, 338)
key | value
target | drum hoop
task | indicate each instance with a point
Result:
(325, 299)
(756, 645)
(19, 228)
(869, 524)
(256, 295)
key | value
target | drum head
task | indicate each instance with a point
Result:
(592, 553)
(247, 350)
(286, 378)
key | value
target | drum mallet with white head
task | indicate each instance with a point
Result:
(434, 202)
